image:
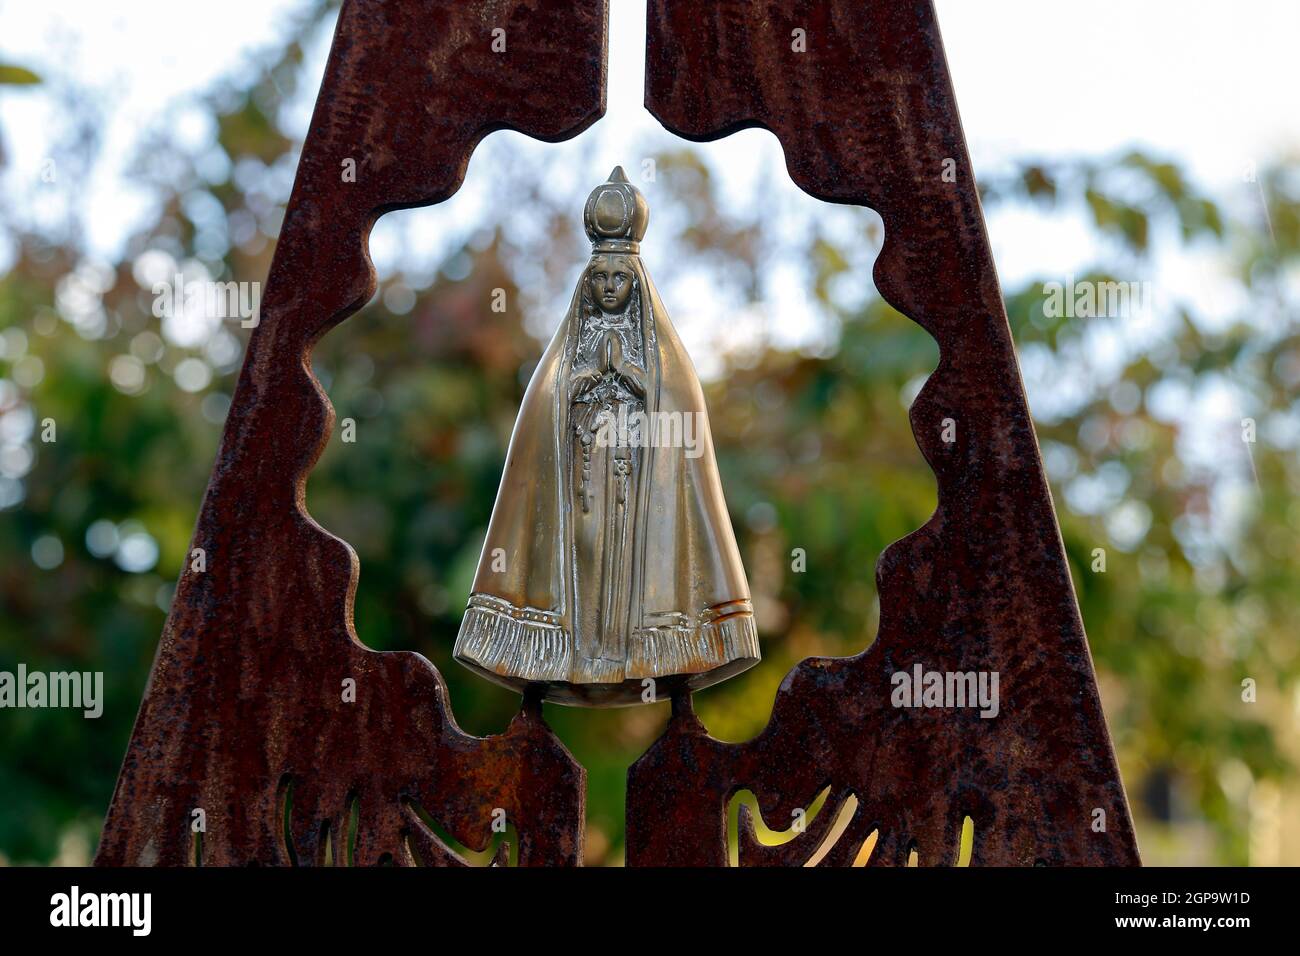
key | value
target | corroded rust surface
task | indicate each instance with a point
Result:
(867, 116)
(245, 703)
(245, 716)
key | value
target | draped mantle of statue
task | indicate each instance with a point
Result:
(610, 573)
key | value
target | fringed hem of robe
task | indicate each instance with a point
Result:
(508, 641)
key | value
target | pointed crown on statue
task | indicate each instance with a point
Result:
(616, 215)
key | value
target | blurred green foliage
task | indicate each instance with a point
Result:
(815, 452)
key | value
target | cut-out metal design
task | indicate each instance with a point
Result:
(248, 690)
(866, 115)
(266, 719)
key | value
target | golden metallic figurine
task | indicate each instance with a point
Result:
(610, 557)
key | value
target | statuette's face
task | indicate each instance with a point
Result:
(610, 278)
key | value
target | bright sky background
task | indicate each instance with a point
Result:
(1211, 84)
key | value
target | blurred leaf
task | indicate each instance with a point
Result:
(11, 75)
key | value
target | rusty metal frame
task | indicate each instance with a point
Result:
(243, 716)
(867, 116)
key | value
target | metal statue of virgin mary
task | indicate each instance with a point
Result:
(610, 572)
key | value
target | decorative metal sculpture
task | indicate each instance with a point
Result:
(243, 717)
(247, 717)
(610, 572)
(867, 116)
